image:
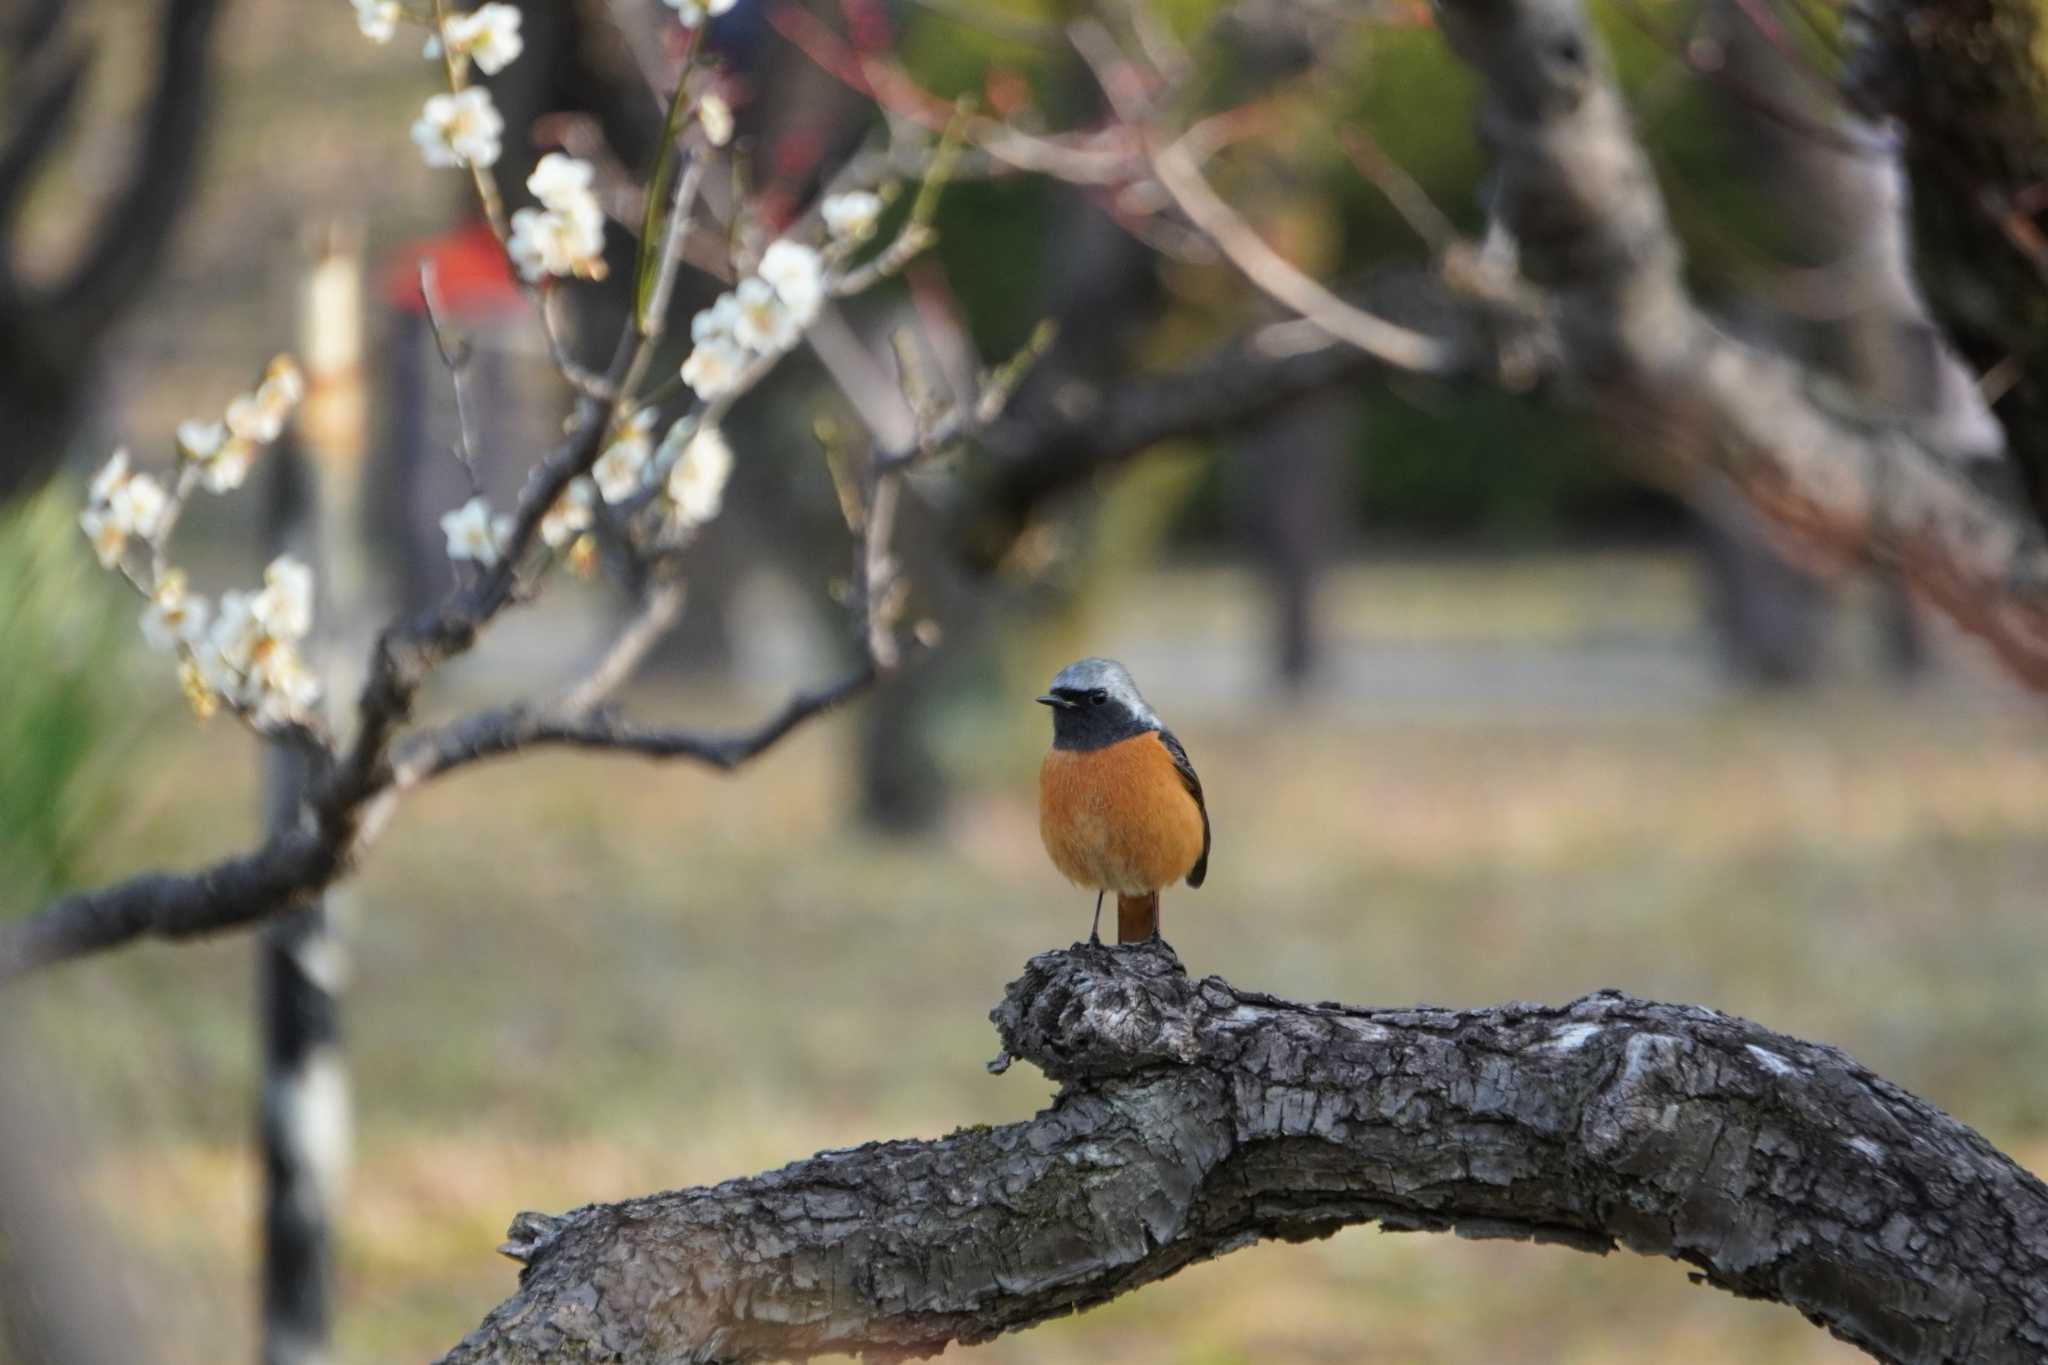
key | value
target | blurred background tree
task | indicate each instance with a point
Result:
(1405, 549)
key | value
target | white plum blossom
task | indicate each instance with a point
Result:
(174, 616)
(487, 35)
(558, 180)
(462, 129)
(716, 322)
(121, 504)
(282, 387)
(284, 688)
(548, 242)
(285, 606)
(229, 466)
(797, 276)
(713, 367)
(108, 539)
(696, 478)
(251, 419)
(378, 19)
(249, 666)
(236, 639)
(570, 515)
(715, 116)
(765, 315)
(224, 450)
(474, 534)
(565, 236)
(850, 217)
(763, 322)
(692, 12)
(716, 363)
(112, 475)
(618, 470)
(201, 441)
(139, 504)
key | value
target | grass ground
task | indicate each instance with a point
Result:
(578, 979)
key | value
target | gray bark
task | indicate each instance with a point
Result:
(1195, 1119)
(1899, 484)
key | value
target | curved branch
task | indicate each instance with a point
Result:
(1580, 198)
(1196, 1119)
(1039, 449)
(135, 229)
(301, 863)
(512, 729)
(238, 890)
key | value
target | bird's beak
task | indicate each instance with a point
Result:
(1061, 702)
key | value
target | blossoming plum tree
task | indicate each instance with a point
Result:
(1173, 1085)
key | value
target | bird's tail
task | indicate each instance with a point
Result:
(1137, 917)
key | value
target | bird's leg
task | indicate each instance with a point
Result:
(1095, 929)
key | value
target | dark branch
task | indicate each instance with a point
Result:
(507, 730)
(1196, 1119)
(46, 110)
(1059, 439)
(302, 862)
(233, 891)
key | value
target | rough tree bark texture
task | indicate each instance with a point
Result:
(1196, 1119)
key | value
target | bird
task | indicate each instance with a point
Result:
(1119, 805)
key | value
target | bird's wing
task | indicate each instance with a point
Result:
(1193, 783)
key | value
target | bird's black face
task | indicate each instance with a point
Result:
(1095, 703)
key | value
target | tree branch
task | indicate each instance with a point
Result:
(136, 227)
(512, 729)
(1196, 1119)
(1580, 198)
(1055, 441)
(272, 878)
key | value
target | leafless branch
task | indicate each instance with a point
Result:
(1399, 188)
(1195, 1119)
(494, 734)
(1400, 347)
(455, 355)
(1579, 196)
(659, 608)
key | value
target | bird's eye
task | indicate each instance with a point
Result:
(1097, 697)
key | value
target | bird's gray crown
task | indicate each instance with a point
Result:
(1107, 675)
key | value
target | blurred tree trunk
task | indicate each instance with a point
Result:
(1968, 80)
(302, 1108)
(1840, 294)
(51, 331)
(1292, 472)
(303, 1124)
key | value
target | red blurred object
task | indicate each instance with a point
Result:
(472, 278)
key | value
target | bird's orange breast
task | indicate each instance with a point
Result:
(1118, 818)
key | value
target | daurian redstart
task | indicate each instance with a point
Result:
(1119, 805)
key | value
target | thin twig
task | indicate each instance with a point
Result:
(659, 609)
(455, 356)
(496, 733)
(878, 567)
(1400, 347)
(1400, 189)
